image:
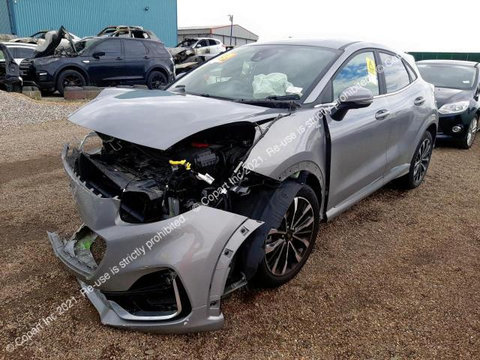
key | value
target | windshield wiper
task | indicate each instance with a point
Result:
(284, 97)
(273, 103)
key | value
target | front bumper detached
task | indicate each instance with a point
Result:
(166, 276)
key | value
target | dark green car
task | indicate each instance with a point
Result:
(457, 91)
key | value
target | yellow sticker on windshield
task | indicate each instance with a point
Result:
(226, 56)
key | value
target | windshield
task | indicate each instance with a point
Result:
(448, 76)
(82, 45)
(259, 72)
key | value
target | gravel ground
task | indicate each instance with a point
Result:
(18, 110)
(396, 277)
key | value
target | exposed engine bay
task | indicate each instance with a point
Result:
(154, 185)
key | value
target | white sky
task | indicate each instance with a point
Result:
(409, 25)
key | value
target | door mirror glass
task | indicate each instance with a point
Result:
(98, 54)
(354, 97)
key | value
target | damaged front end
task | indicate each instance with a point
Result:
(162, 228)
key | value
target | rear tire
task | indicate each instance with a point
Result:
(419, 164)
(156, 80)
(70, 78)
(467, 141)
(288, 246)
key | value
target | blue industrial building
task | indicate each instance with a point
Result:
(88, 17)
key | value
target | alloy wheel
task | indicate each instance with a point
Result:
(286, 246)
(157, 82)
(72, 80)
(422, 160)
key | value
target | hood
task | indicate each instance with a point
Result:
(160, 119)
(447, 96)
(52, 40)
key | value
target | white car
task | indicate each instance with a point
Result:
(20, 51)
(203, 46)
(196, 50)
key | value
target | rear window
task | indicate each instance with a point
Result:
(155, 48)
(448, 76)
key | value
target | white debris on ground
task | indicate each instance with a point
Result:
(18, 110)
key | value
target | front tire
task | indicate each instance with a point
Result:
(156, 80)
(288, 246)
(467, 141)
(70, 78)
(420, 162)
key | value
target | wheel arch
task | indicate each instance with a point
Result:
(71, 67)
(432, 129)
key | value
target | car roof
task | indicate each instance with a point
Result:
(449, 62)
(335, 44)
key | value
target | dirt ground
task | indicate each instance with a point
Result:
(396, 277)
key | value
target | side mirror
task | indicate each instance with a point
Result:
(354, 97)
(179, 76)
(98, 55)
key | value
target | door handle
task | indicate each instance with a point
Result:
(382, 114)
(146, 57)
(119, 58)
(419, 100)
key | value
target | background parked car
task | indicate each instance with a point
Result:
(21, 51)
(457, 91)
(137, 32)
(103, 62)
(200, 47)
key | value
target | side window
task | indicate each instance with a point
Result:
(134, 49)
(111, 48)
(361, 70)
(396, 76)
(413, 75)
(201, 43)
(212, 42)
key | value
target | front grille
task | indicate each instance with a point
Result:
(26, 69)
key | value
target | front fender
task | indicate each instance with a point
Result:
(292, 144)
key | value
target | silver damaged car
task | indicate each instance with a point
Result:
(222, 179)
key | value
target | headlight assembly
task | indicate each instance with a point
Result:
(454, 108)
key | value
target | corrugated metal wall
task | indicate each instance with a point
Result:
(88, 17)
(4, 18)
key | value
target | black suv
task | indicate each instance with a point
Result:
(102, 62)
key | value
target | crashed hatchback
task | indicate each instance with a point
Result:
(222, 180)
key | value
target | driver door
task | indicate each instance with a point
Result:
(107, 68)
(359, 140)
